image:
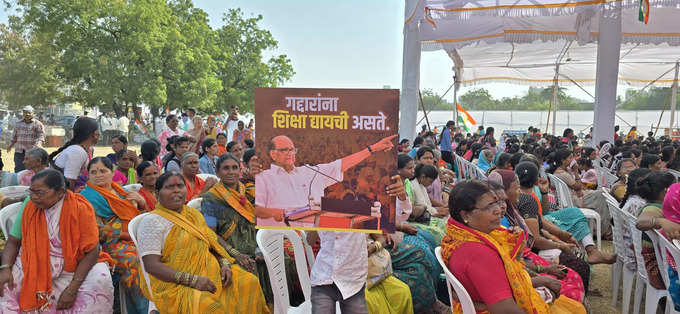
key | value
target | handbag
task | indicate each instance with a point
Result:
(379, 266)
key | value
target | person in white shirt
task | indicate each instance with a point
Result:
(285, 187)
(123, 125)
(339, 272)
(231, 123)
(107, 127)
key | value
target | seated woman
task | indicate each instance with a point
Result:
(235, 149)
(208, 157)
(53, 256)
(35, 160)
(626, 166)
(582, 198)
(189, 270)
(118, 143)
(195, 186)
(221, 143)
(229, 211)
(424, 215)
(177, 146)
(148, 174)
(652, 188)
(506, 186)
(114, 208)
(150, 151)
(71, 159)
(485, 258)
(587, 173)
(250, 167)
(124, 172)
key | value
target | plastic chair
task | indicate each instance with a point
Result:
(15, 191)
(463, 297)
(205, 176)
(133, 225)
(8, 215)
(604, 177)
(653, 295)
(662, 249)
(133, 187)
(195, 203)
(620, 248)
(308, 249)
(270, 242)
(675, 173)
(564, 199)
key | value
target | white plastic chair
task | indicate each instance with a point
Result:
(270, 242)
(604, 177)
(133, 225)
(195, 203)
(675, 173)
(620, 248)
(205, 176)
(463, 297)
(8, 215)
(652, 295)
(308, 249)
(663, 247)
(564, 199)
(15, 191)
(133, 187)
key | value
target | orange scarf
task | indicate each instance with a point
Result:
(194, 192)
(509, 247)
(78, 233)
(123, 208)
(148, 197)
(236, 199)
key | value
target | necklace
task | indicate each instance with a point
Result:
(240, 194)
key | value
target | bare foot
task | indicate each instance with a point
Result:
(597, 257)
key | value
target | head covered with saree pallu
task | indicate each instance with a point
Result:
(508, 245)
(106, 203)
(188, 249)
(78, 234)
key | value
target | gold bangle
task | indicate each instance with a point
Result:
(194, 280)
(178, 277)
(225, 262)
(77, 280)
(186, 279)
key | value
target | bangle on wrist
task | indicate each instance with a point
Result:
(539, 269)
(654, 223)
(5, 266)
(194, 280)
(369, 149)
(178, 277)
(225, 262)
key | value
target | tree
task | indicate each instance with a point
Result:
(477, 99)
(28, 71)
(240, 44)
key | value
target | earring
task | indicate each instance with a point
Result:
(465, 221)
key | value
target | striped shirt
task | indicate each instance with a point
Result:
(28, 135)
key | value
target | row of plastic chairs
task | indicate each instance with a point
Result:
(662, 247)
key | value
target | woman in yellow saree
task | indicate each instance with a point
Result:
(191, 272)
(487, 259)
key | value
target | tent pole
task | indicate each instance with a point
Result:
(554, 98)
(455, 100)
(674, 99)
(410, 77)
(607, 71)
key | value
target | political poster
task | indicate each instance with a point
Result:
(327, 157)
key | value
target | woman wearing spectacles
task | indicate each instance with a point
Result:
(486, 258)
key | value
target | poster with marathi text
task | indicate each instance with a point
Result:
(327, 157)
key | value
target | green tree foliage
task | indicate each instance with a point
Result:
(117, 55)
(239, 55)
(651, 99)
(534, 99)
(27, 75)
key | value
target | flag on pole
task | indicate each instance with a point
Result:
(465, 120)
(643, 15)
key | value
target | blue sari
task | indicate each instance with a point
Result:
(482, 163)
(414, 263)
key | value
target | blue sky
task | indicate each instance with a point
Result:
(345, 44)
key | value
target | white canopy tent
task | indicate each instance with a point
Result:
(547, 42)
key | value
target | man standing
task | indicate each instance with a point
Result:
(28, 133)
(445, 142)
(232, 123)
(123, 125)
(105, 124)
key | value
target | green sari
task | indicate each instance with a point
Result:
(232, 214)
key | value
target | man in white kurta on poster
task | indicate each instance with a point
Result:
(286, 187)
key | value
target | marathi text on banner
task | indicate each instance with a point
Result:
(305, 104)
(370, 122)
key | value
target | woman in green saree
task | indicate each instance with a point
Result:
(228, 208)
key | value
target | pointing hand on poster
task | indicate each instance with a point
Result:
(383, 145)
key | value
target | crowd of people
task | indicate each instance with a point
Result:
(506, 238)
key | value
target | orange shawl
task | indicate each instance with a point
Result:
(236, 199)
(194, 192)
(123, 208)
(148, 197)
(78, 233)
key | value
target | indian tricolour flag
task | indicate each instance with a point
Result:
(465, 120)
